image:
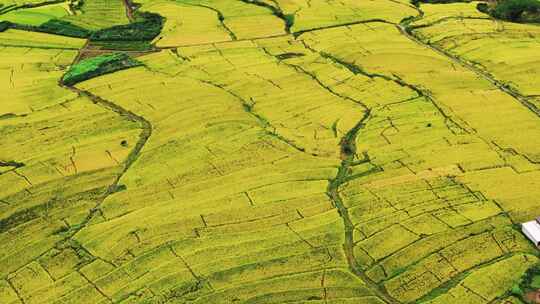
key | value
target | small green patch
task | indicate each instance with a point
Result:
(535, 283)
(516, 290)
(96, 66)
(289, 20)
(60, 27)
(54, 26)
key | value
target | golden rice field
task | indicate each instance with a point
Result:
(268, 151)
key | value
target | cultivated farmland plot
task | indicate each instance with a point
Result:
(267, 151)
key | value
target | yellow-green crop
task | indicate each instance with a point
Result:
(258, 151)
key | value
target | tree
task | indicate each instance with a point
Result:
(514, 10)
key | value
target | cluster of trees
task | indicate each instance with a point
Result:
(513, 10)
(145, 28)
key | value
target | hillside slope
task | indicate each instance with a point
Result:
(266, 151)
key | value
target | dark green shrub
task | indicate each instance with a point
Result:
(289, 20)
(60, 27)
(146, 27)
(483, 7)
(4, 25)
(516, 10)
(56, 27)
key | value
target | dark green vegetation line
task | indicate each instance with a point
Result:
(348, 152)
(11, 164)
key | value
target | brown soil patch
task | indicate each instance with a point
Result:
(533, 296)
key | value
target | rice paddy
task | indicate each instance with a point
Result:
(267, 152)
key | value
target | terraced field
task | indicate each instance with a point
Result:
(254, 151)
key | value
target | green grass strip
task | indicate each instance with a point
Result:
(97, 66)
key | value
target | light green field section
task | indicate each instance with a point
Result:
(99, 14)
(430, 182)
(30, 78)
(311, 14)
(434, 14)
(479, 287)
(514, 49)
(30, 66)
(70, 154)
(21, 38)
(442, 79)
(38, 15)
(244, 211)
(187, 24)
(201, 21)
(245, 20)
